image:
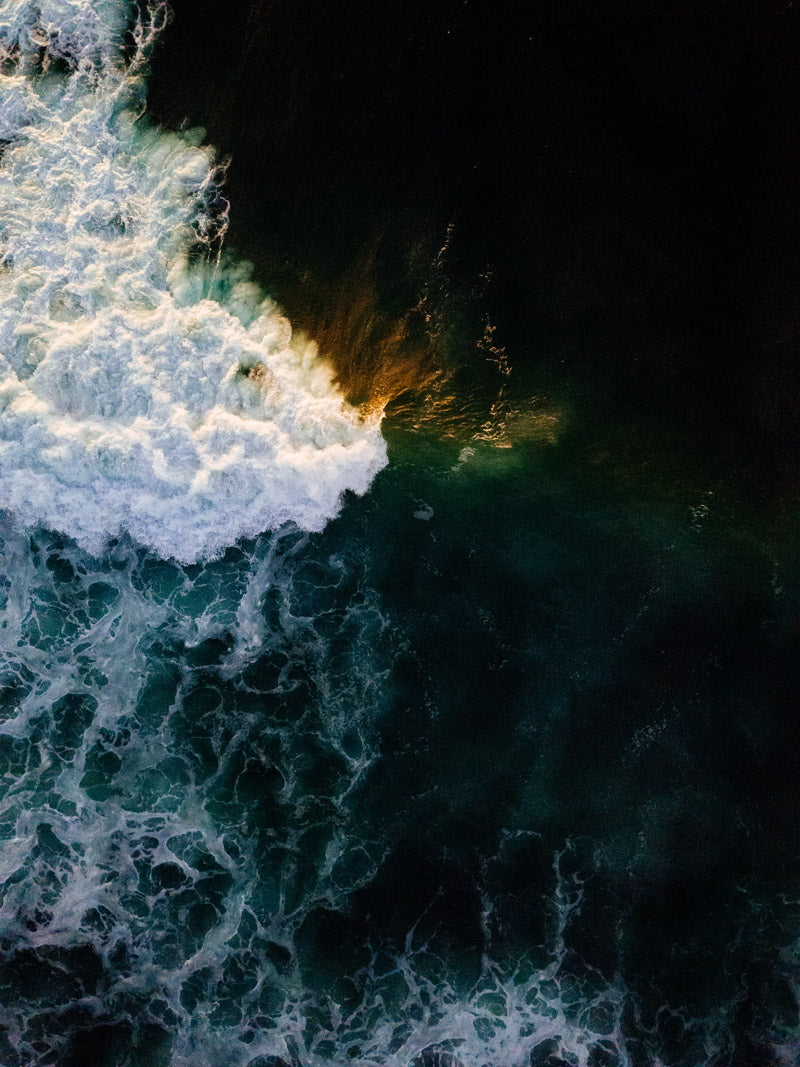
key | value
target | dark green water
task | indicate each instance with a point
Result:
(504, 755)
(499, 768)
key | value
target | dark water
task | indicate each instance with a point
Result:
(499, 768)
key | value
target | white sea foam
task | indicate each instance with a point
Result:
(137, 392)
(121, 765)
(80, 31)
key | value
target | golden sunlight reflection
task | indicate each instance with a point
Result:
(376, 356)
(413, 365)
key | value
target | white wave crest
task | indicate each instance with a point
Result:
(130, 399)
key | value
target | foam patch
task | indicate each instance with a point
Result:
(139, 392)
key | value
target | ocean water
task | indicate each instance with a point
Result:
(390, 687)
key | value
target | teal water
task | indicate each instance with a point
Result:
(502, 756)
(494, 768)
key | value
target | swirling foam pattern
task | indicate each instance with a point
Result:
(139, 392)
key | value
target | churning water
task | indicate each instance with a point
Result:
(479, 758)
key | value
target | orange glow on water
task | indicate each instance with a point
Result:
(376, 356)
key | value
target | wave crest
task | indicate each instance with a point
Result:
(140, 392)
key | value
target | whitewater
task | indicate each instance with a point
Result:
(143, 388)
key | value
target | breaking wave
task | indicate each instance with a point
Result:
(141, 390)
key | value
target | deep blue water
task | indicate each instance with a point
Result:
(499, 766)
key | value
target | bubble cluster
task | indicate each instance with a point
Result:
(139, 390)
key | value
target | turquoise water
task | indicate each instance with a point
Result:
(483, 752)
(495, 759)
